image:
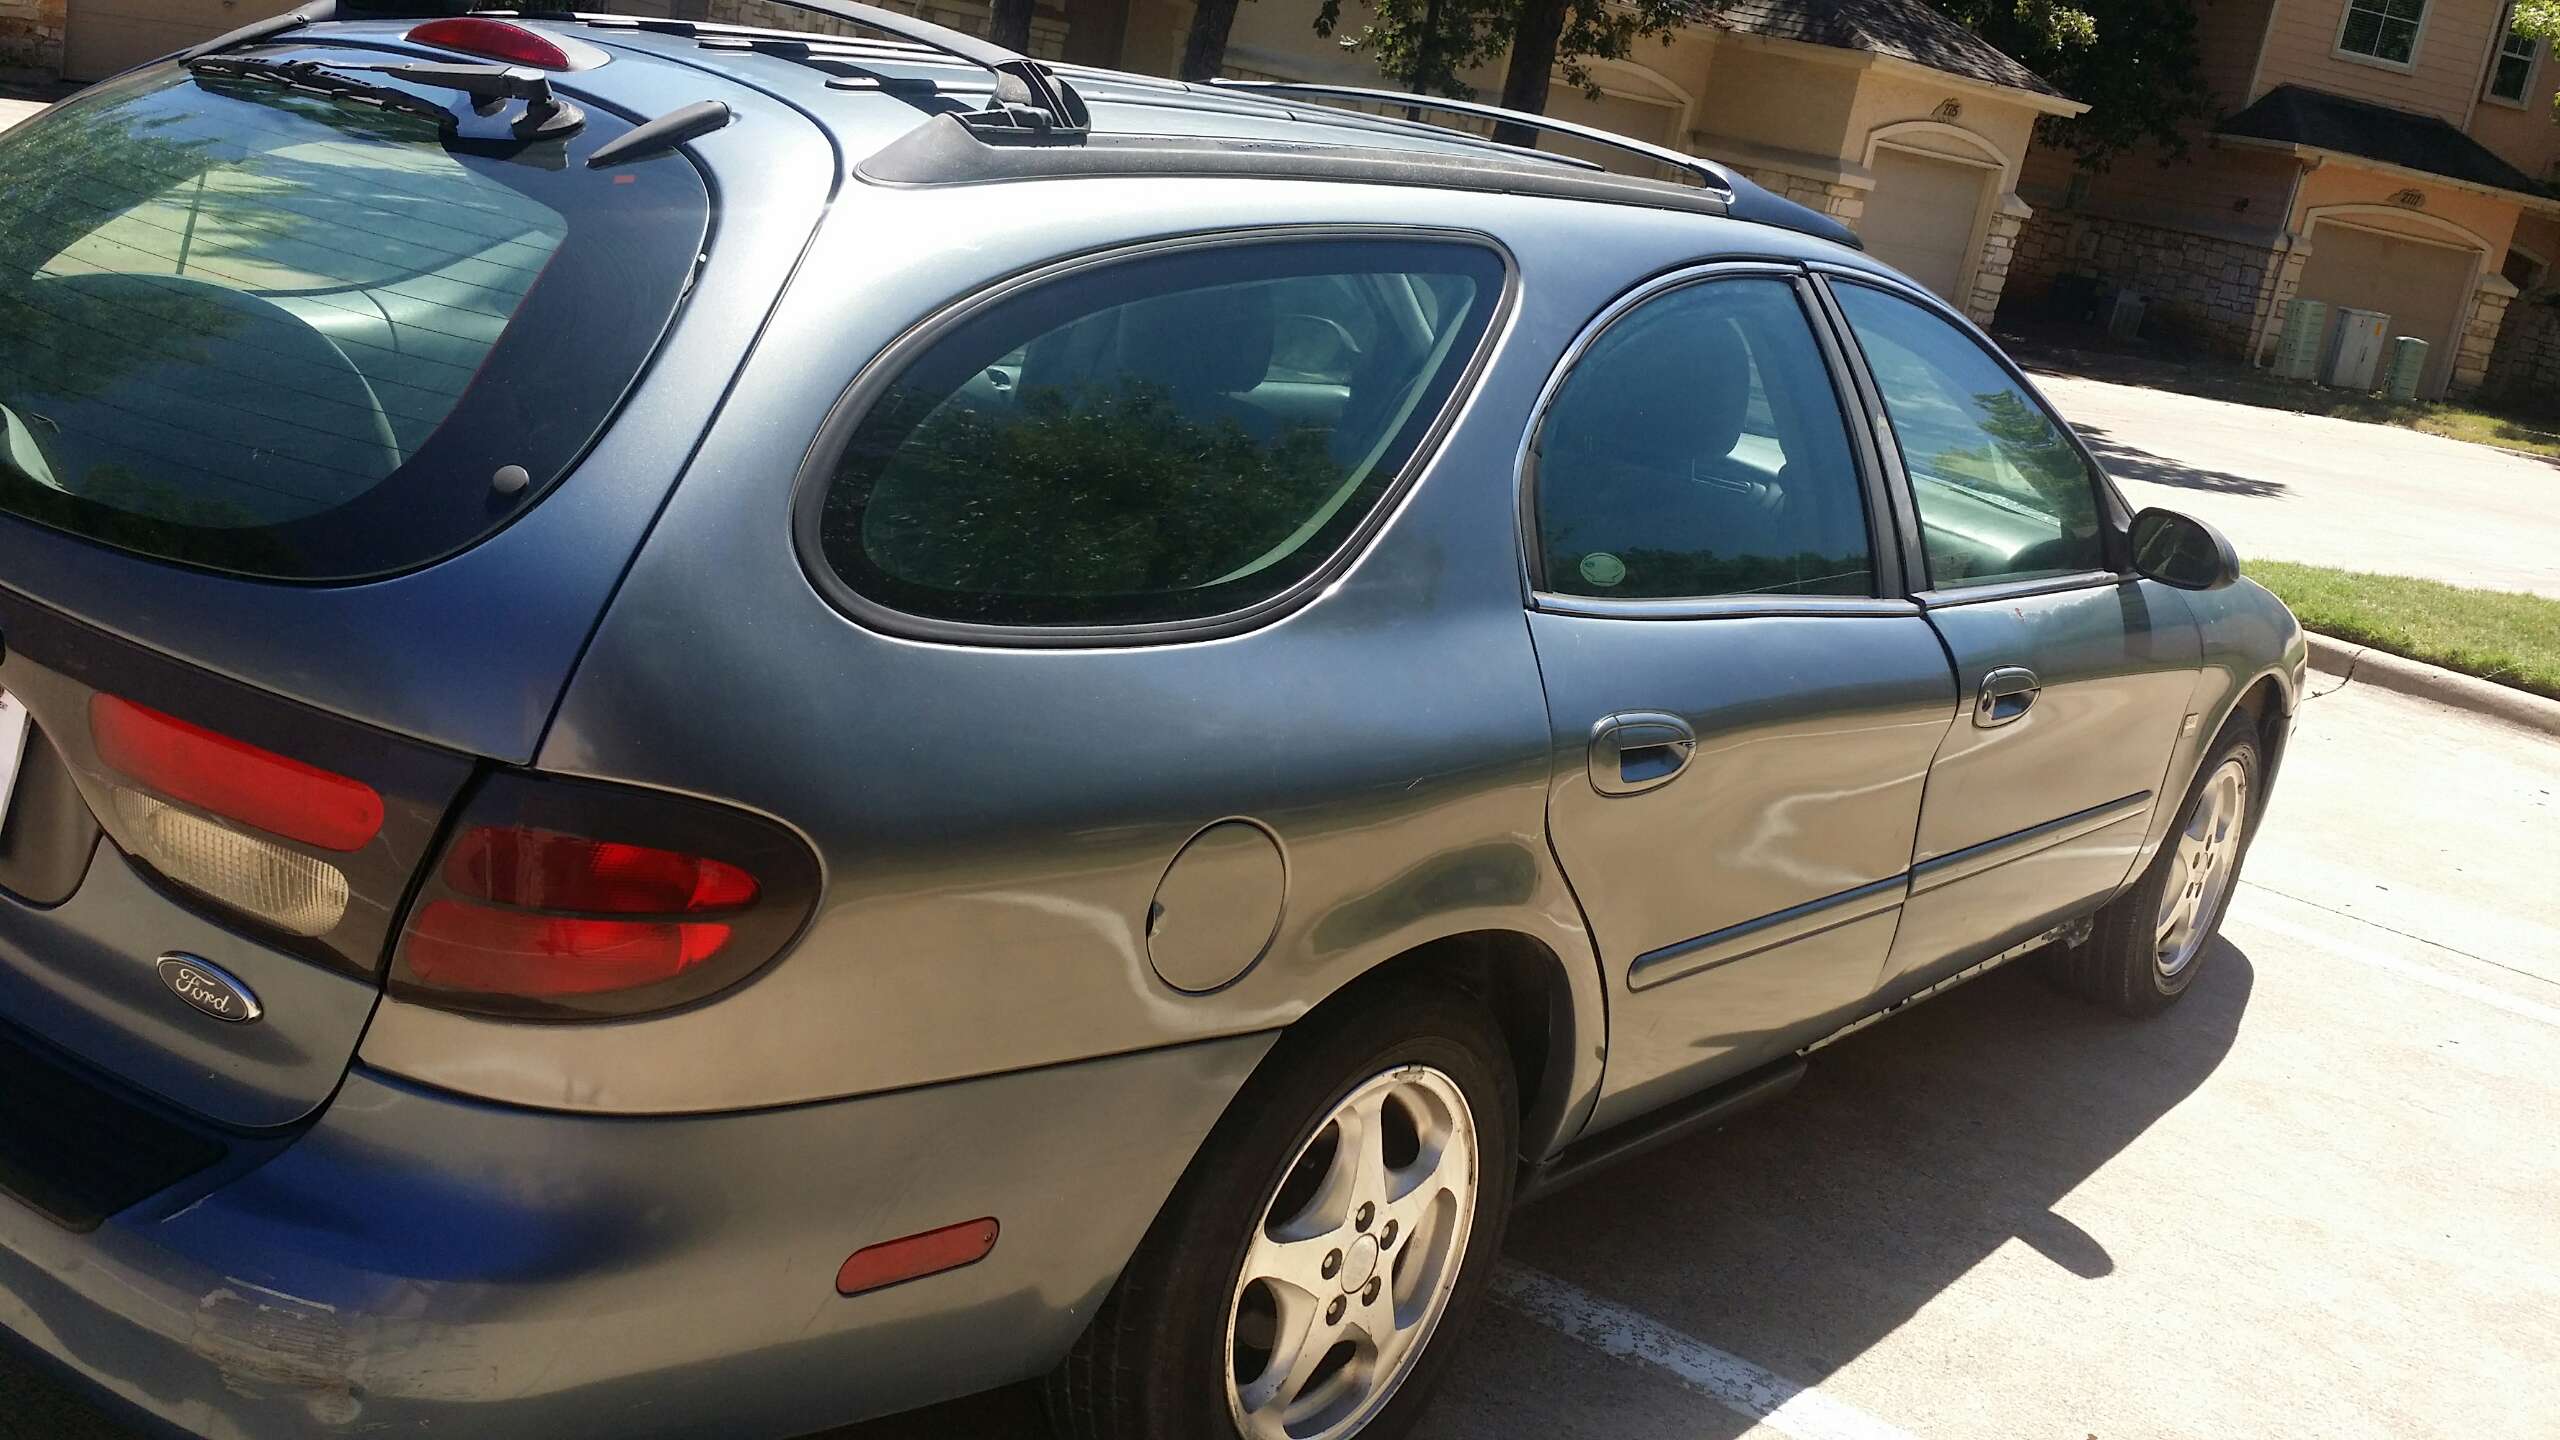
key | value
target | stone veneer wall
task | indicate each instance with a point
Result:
(31, 35)
(2218, 291)
(2524, 366)
(2480, 335)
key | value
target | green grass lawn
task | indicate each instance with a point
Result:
(2513, 639)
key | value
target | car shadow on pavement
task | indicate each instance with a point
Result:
(2127, 462)
(1807, 1231)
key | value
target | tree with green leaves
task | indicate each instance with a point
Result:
(1428, 45)
(2141, 84)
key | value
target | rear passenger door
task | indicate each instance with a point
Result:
(2074, 676)
(1742, 719)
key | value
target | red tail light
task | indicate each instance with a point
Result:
(233, 779)
(497, 39)
(561, 898)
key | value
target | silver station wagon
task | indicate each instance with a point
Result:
(710, 732)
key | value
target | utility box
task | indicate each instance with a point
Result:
(2408, 365)
(2125, 320)
(2306, 324)
(2355, 349)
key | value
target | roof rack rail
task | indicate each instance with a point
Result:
(1030, 97)
(1707, 172)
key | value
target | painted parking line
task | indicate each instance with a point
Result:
(2329, 943)
(1727, 1379)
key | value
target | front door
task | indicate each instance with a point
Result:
(1742, 721)
(2074, 679)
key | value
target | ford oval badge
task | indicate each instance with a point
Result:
(205, 986)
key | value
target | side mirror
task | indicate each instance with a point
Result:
(2180, 550)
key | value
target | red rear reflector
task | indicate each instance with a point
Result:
(547, 870)
(497, 39)
(916, 1256)
(233, 779)
(461, 946)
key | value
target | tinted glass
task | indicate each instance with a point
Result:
(2002, 493)
(280, 333)
(1163, 439)
(1697, 449)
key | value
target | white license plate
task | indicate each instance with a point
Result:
(13, 746)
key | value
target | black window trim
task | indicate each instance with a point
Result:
(2113, 512)
(1882, 545)
(826, 449)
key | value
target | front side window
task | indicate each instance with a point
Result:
(2383, 29)
(1698, 450)
(2002, 492)
(1157, 440)
(278, 333)
(2512, 75)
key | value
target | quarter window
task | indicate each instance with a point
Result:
(1696, 450)
(2513, 73)
(2383, 29)
(1156, 440)
(2002, 492)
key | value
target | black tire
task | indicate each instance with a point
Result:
(1154, 1365)
(2119, 965)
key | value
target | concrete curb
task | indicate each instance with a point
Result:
(2368, 666)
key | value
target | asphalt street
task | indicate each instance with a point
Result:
(2324, 491)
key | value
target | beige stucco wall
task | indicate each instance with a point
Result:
(2224, 191)
(2453, 41)
(2490, 219)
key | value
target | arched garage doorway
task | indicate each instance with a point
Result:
(2423, 282)
(1934, 187)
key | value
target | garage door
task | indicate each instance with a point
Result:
(2423, 288)
(105, 36)
(1920, 217)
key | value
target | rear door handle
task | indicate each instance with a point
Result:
(1636, 750)
(2006, 695)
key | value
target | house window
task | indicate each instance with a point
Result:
(2513, 72)
(2384, 29)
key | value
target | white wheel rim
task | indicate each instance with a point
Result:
(2204, 858)
(1353, 1260)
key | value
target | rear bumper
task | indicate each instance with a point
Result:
(421, 1263)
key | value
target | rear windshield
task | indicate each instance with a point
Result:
(289, 335)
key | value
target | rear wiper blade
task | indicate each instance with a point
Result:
(318, 79)
(546, 116)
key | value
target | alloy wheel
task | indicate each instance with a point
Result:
(1354, 1260)
(2203, 864)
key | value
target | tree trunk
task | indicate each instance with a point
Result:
(1009, 25)
(1204, 54)
(1533, 61)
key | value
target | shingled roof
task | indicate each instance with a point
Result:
(1899, 29)
(2296, 115)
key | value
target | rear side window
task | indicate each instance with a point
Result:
(281, 334)
(1698, 450)
(1156, 440)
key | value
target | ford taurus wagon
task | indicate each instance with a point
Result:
(711, 732)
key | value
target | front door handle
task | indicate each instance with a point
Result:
(1636, 750)
(2006, 695)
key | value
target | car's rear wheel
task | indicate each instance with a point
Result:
(1338, 1226)
(2148, 943)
